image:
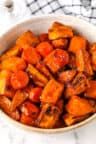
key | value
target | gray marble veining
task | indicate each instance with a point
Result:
(76, 137)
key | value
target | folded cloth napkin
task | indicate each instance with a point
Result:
(80, 8)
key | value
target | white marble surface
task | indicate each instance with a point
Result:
(12, 135)
(9, 134)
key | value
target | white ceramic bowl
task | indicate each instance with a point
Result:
(38, 25)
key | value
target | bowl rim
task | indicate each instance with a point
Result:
(27, 128)
(41, 130)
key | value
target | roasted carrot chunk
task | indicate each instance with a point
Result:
(52, 92)
(77, 43)
(5, 74)
(18, 99)
(70, 119)
(4, 80)
(69, 91)
(83, 62)
(13, 64)
(9, 92)
(93, 55)
(34, 94)
(29, 109)
(87, 63)
(43, 69)
(59, 30)
(48, 117)
(60, 43)
(43, 37)
(91, 90)
(78, 86)
(30, 55)
(80, 61)
(66, 76)
(19, 79)
(37, 77)
(44, 48)
(14, 51)
(5, 104)
(80, 83)
(79, 106)
(27, 120)
(56, 60)
(27, 38)
(78, 46)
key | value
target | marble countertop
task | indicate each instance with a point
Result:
(12, 135)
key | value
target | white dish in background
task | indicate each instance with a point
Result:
(38, 25)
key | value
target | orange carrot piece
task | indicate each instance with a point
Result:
(52, 92)
(13, 64)
(34, 94)
(48, 116)
(27, 38)
(30, 109)
(19, 79)
(60, 43)
(80, 61)
(56, 60)
(59, 30)
(38, 78)
(14, 51)
(44, 48)
(79, 106)
(9, 92)
(70, 119)
(69, 91)
(18, 99)
(30, 55)
(44, 70)
(91, 90)
(5, 105)
(80, 83)
(83, 62)
(93, 55)
(77, 43)
(66, 76)
(26, 119)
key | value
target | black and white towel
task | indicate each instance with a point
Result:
(82, 8)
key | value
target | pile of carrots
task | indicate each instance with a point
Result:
(48, 80)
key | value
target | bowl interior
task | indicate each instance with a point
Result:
(40, 25)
